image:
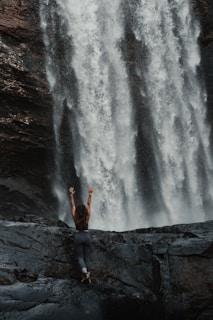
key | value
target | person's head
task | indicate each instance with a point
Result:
(81, 213)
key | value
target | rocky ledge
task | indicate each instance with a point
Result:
(154, 273)
(26, 130)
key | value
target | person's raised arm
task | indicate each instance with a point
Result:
(90, 191)
(72, 191)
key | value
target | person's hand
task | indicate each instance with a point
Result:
(90, 190)
(71, 190)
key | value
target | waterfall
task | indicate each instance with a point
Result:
(177, 106)
(124, 79)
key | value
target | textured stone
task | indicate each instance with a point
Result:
(155, 273)
(204, 11)
(25, 113)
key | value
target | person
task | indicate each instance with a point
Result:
(82, 241)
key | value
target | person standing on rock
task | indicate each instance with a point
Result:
(82, 242)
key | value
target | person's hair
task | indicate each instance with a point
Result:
(80, 214)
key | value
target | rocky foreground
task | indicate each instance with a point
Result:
(155, 273)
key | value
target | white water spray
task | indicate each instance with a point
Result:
(104, 150)
(177, 105)
(104, 130)
(104, 144)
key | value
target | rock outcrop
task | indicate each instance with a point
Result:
(155, 273)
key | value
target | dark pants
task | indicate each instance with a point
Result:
(82, 244)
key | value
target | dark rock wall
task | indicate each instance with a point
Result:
(26, 136)
(204, 11)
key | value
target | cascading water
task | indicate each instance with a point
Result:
(177, 107)
(94, 81)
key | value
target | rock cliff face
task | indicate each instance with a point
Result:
(155, 273)
(25, 110)
(204, 10)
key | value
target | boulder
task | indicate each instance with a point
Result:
(153, 273)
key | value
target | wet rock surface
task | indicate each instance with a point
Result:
(26, 137)
(204, 11)
(154, 273)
